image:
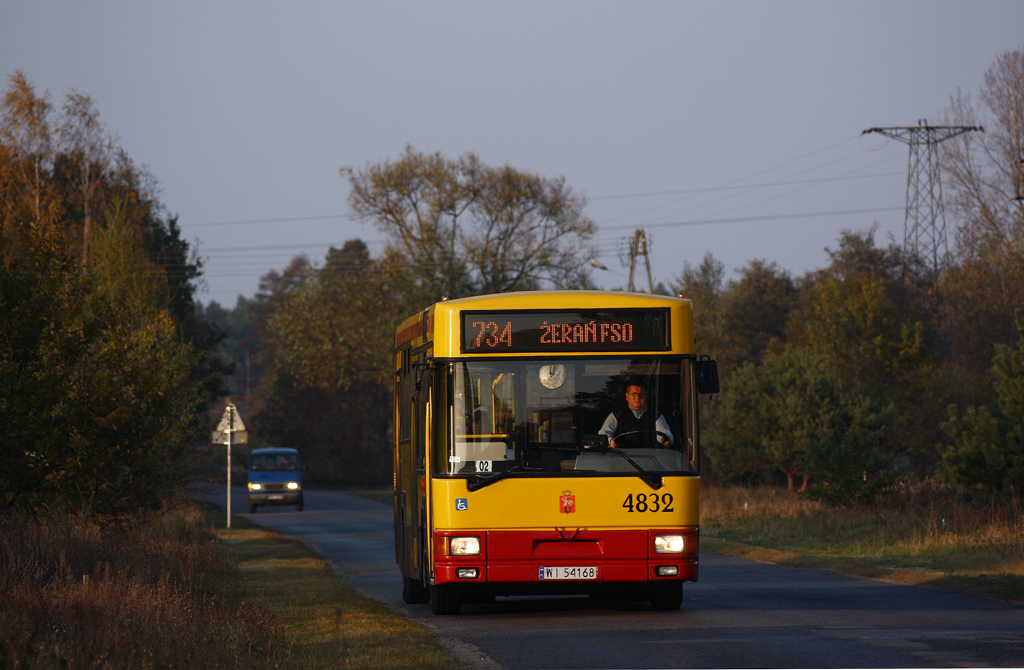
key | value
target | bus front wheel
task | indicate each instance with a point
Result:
(413, 591)
(445, 599)
(667, 595)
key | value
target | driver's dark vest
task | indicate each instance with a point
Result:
(629, 423)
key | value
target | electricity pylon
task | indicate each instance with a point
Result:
(924, 224)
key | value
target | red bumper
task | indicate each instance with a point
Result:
(518, 556)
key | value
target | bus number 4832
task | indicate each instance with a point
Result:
(644, 502)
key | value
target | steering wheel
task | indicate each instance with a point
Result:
(656, 433)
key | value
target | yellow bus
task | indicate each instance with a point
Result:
(547, 443)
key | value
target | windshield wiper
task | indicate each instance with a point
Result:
(480, 481)
(654, 481)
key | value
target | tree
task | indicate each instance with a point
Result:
(988, 446)
(104, 374)
(702, 285)
(87, 150)
(983, 181)
(983, 171)
(465, 228)
(734, 442)
(124, 271)
(756, 310)
(97, 405)
(865, 315)
(327, 387)
(791, 416)
(853, 326)
(339, 326)
(26, 153)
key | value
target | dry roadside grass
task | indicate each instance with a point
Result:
(326, 622)
(925, 536)
(144, 593)
(177, 590)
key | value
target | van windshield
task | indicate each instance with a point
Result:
(274, 462)
(562, 417)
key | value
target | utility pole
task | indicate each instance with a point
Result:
(924, 224)
(638, 247)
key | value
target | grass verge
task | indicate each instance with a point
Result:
(174, 589)
(326, 622)
(925, 537)
(140, 592)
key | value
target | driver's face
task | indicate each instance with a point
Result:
(636, 398)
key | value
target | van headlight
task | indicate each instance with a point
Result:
(465, 546)
(293, 486)
(255, 487)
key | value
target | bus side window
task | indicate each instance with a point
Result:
(420, 412)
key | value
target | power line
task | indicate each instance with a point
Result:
(770, 217)
(278, 220)
(750, 188)
(738, 187)
(731, 185)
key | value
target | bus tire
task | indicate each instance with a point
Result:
(413, 591)
(444, 599)
(667, 595)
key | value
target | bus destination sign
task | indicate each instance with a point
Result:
(579, 330)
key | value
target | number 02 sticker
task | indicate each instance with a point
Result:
(648, 502)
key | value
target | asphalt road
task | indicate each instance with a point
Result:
(741, 614)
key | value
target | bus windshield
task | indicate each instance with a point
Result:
(568, 416)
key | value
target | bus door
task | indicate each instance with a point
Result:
(412, 410)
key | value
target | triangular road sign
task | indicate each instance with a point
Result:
(231, 421)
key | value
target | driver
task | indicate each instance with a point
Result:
(635, 424)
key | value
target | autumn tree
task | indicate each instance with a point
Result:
(983, 186)
(982, 172)
(87, 151)
(466, 228)
(104, 367)
(339, 326)
(327, 389)
(26, 153)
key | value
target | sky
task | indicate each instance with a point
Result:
(733, 128)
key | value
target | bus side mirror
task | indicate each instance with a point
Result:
(422, 379)
(707, 375)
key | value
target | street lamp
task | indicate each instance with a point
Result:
(601, 266)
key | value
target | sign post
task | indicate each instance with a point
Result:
(230, 425)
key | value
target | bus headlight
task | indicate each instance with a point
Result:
(668, 544)
(293, 486)
(465, 546)
(255, 487)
